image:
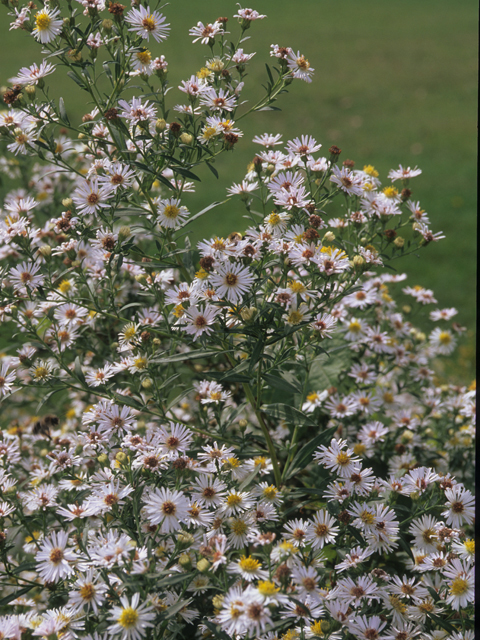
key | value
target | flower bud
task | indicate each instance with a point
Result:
(358, 261)
(141, 278)
(185, 561)
(203, 565)
(185, 539)
(107, 25)
(217, 601)
(102, 458)
(186, 138)
(406, 308)
(147, 383)
(124, 233)
(399, 242)
(248, 313)
(30, 90)
(45, 251)
(329, 237)
(121, 457)
(67, 202)
(243, 424)
(160, 125)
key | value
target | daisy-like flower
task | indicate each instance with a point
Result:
(297, 315)
(171, 215)
(201, 320)
(33, 74)
(460, 506)
(146, 23)
(48, 25)
(54, 560)
(249, 568)
(243, 188)
(89, 593)
(136, 111)
(323, 325)
(322, 530)
(90, 196)
(209, 491)
(220, 101)
(232, 281)
(403, 173)
(175, 439)
(443, 341)
(166, 507)
(461, 584)
(303, 146)
(131, 620)
(297, 532)
(6, 379)
(248, 14)
(366, 628)
(205, 32)
(341, 461)
(299, 66)
(347, 181)
(98, 377)
(42, 370)
(26, 276)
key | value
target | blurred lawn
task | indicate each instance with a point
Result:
(395, 82)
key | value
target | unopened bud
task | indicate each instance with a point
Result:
(45, 250)
(67, 202)
(30, 90)
(243, 423)
(102, 458)
(124, 233)
(107, 24)
(329, 236)
(248, 313)
(203, 565)
(186, 138)
(141, 278)
(160, 125)
(185, 539)
(147, 383)
(358, 261)
(121, 457)
(185, 561)
(406, 308)
(399, 242)
(217, 601)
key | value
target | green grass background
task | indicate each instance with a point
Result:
(395, 82)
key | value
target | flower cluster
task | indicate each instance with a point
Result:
(246, 439)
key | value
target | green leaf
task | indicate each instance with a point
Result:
(78, 370)
(189, 355)
(302, 458)
(15, 595)
(81, 84)
(63, 112)
(185, 173)
(249, 478)
(200, 213)
(212, 169)
(280, 383)
(217, 632)
(288, 413)
(326, 368)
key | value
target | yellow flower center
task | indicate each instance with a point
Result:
(40, 372)
(445, 337)
(370, 170)
(140, 363)
(203, 73)
(148, 23)
(267, 588)
(270, 493)
(316, 628)
(390, 192)
(209, 132)
(87, 592)
(470, 545)
(145, 57)
(43, 21)
(343, 459)
(303, 63)
(239, 527)
(171, 211)
(128, 618)
(295, 317)
(65, 286)
(354, 326)
(367, 517)
(312, 397)
(249, 565)
(274, 219)
(359, 448)
(297, 287)
(234, 500)
(459, 586)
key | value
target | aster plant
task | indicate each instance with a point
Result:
(246, 439)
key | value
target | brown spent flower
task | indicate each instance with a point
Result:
(116, 8)
(111, 114)
(334, 151)
(315, 221)
(349, 163)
